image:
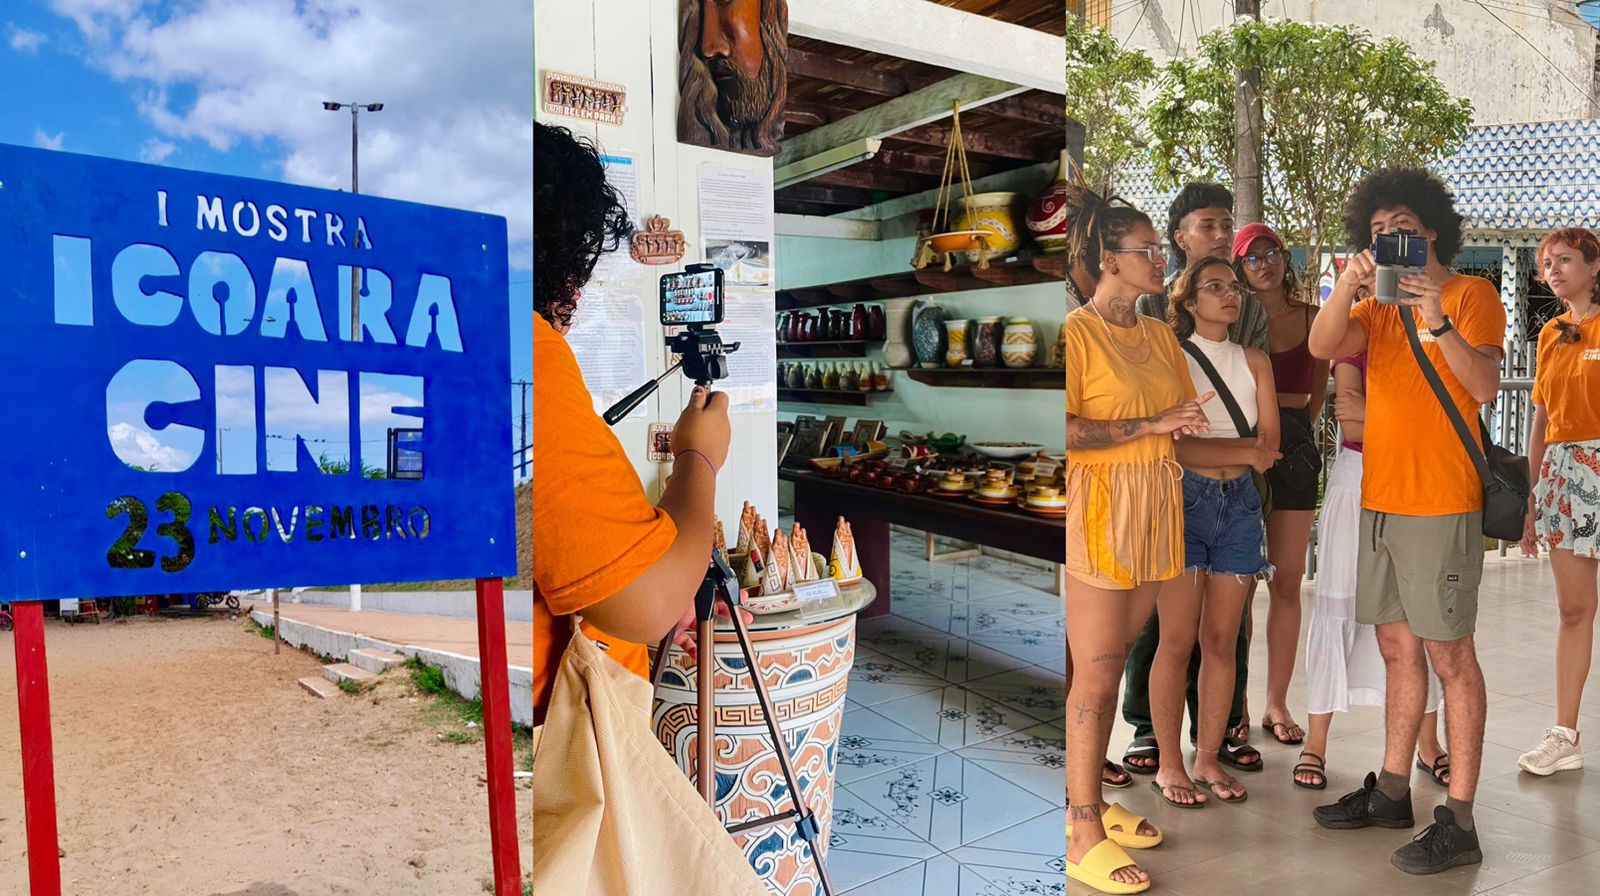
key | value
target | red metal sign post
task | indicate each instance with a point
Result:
(496, 692)
(38, 755)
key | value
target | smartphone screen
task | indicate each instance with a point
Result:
(1400, 250)
(691, 297)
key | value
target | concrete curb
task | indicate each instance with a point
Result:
(461, 673)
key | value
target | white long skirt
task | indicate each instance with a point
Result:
(1343, 665)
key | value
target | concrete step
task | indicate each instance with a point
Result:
(374, 660)
(319, 688)
(338, 672)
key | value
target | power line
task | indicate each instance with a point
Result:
(1143, 8)
(1587, 93)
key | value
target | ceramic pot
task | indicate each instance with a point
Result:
(830, 378)
(797, 376)
(849, 380)
(1020, 345)
(813, 378)
(864, 383)
(1047, 215)
(880, 380)
(986, 339)
(928, 333)
(955, 351)
(875, 323)
(992, 212)
(896, 330)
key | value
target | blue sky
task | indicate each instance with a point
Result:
(234, 87)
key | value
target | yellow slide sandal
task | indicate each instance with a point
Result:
(1123, 827)
(1098, 864)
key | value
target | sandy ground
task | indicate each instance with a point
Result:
(188, 761)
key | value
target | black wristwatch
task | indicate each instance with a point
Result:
(1444, 328)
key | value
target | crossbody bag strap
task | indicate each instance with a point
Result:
(1206, 367)
(1450, 410)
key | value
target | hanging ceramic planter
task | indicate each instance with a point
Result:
(946, 239)
(1047, 216)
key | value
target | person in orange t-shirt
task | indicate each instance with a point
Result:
(601, 550)
(1420, 558)
(1565, 455)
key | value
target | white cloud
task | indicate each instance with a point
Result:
(456, 80)
(156, 151)
(48, 141)
(139, 447)
(24, 41)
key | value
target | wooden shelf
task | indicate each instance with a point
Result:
(846, 348)
(1017, 271)
(831, 396)
(992, 377)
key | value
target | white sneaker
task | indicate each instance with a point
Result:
(1556, 753)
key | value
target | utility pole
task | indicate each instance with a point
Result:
(1247, 133)
(524, 444)
(355, 269)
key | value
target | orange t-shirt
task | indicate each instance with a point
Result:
(1414, 463)
(594, 531)
(1568, 382)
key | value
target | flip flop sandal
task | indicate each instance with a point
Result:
(1438, 770)
(1162, 790)
(1233, 750)
(1288, 740)
(1228, 785)
(1112, 770)
(1123, 827)
(1142, 748)
(1097, 866)
(1318, 768)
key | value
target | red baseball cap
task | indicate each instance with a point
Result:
(1249, 234)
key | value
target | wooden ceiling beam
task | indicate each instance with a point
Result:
(865, 178)
(835, 197)
(819, 67)
(1038, 150)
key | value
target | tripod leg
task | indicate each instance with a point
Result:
(805, 819)
(705, 690)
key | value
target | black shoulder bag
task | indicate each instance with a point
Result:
(1234, 411)
(1504, 475)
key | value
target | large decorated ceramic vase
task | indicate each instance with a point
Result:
(993, 212)
(928, 333)
(896, 330)
(1047, 216)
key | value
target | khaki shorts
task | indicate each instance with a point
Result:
(1423, 570)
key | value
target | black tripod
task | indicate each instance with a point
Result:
(720, 584)
(704, 360)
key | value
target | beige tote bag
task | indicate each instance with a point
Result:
(613, 815)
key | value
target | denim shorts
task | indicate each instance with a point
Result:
(1223, 533)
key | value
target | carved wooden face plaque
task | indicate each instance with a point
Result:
(732, 74)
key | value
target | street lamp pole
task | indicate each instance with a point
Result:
(355, 270)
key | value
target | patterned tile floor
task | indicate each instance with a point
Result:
(950, 778)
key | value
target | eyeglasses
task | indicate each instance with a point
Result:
(1271, 256)
(1222, 289)
(1153, 254)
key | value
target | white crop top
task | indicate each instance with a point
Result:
(1234, 368)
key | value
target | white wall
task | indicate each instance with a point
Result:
(1476, 56)
(634, 42)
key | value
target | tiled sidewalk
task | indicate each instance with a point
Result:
(951, 759)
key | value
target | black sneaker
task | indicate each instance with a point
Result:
(1441, 845)
(1367, 807)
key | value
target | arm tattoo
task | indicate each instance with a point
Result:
(1085, 813)
(1130, 428)
(1091, 434)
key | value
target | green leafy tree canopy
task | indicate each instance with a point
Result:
(1336, 104)
(1105, 93)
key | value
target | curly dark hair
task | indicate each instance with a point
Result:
(1185, 289)
(1192, 198)
(1418, 190)
(577, 217)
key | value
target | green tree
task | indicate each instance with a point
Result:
(1105, 88)
(1336, 104)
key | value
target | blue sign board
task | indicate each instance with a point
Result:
(204, 370)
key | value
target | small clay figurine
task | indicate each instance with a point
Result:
(844, 565)
(775, 579)
(800, 556)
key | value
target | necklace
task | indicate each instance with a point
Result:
(1117, 343)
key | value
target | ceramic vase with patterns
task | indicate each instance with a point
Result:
(1021, 344)
(986, 338)
(896, 330)
(813, 377)
(797, 376)
(955, 350)
(928, 333)
(992, 212)
(1047, 216)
